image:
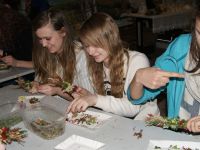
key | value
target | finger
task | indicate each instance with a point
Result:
(196, 127)
(78, 89)
(40, 88)
(163, 81)
(193, 129)
(189, 126)
(68, 109)
(73, 106)
(154, 84)
(172, 74)
(70, 106)
(77, 106)
(51, 84)
(84, 107)
(76, 95)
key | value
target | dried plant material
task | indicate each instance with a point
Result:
(174, 147)
(10, 120)
(31, 86)
(4, 66)
(88, 119)
(47, 129)
(174, 124)
(138, 134)
(66, 86)
(83, 118)
(34, 100)
(28, 86)
(7, 135)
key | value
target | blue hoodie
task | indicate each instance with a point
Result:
(172, 60)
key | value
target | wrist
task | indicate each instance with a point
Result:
(16, 64)
(58, 91)
(1, 52)
(137, 76)
(95, 100)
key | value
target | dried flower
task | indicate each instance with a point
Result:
(174, 124)
(7, 135)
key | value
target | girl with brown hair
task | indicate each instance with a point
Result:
(56, 54)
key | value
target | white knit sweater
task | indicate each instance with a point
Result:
(122, 106)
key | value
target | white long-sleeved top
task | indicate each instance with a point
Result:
(81, 77)
(122, 106)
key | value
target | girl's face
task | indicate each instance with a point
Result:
(99, 54)
(50, 38)
(197, 31)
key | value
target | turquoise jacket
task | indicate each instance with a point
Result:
(172, 60)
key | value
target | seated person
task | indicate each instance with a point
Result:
(15, 39)
(177, 71)
(111, 69)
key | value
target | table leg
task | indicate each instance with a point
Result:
(139, 34)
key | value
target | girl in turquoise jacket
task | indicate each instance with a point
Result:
(177, 72)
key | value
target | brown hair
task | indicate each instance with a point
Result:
(100, 30)
(44, 62)
(194, 47)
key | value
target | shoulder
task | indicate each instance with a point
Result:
(175, 54)
(182, 41)
(180, 46)
(77, 46)
(136, 54)
(80, 53)
(183, 37)
(136, 61)
(137, 58)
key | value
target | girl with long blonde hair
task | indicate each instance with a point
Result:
(111, 68)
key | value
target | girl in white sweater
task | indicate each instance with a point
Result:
(111, 68)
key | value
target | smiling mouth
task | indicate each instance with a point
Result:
(96, 56)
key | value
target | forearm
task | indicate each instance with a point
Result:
(119, 106)
(136, 87)
(63, 95)
(24, 64)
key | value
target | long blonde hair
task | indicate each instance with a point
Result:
(45, 63)
(100, 30)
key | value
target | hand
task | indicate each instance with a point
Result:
(80, 92)
(193, 124)
(82, 102)
(9, 60)
(155, 78)
(48, 89)
(35, 86)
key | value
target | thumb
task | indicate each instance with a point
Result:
(75, 95)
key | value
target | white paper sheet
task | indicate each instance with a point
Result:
(76, 142)
(165, 144)
(97, 119)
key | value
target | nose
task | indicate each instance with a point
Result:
(44, 43)
(90, 50)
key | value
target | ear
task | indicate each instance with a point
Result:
(63, 31)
